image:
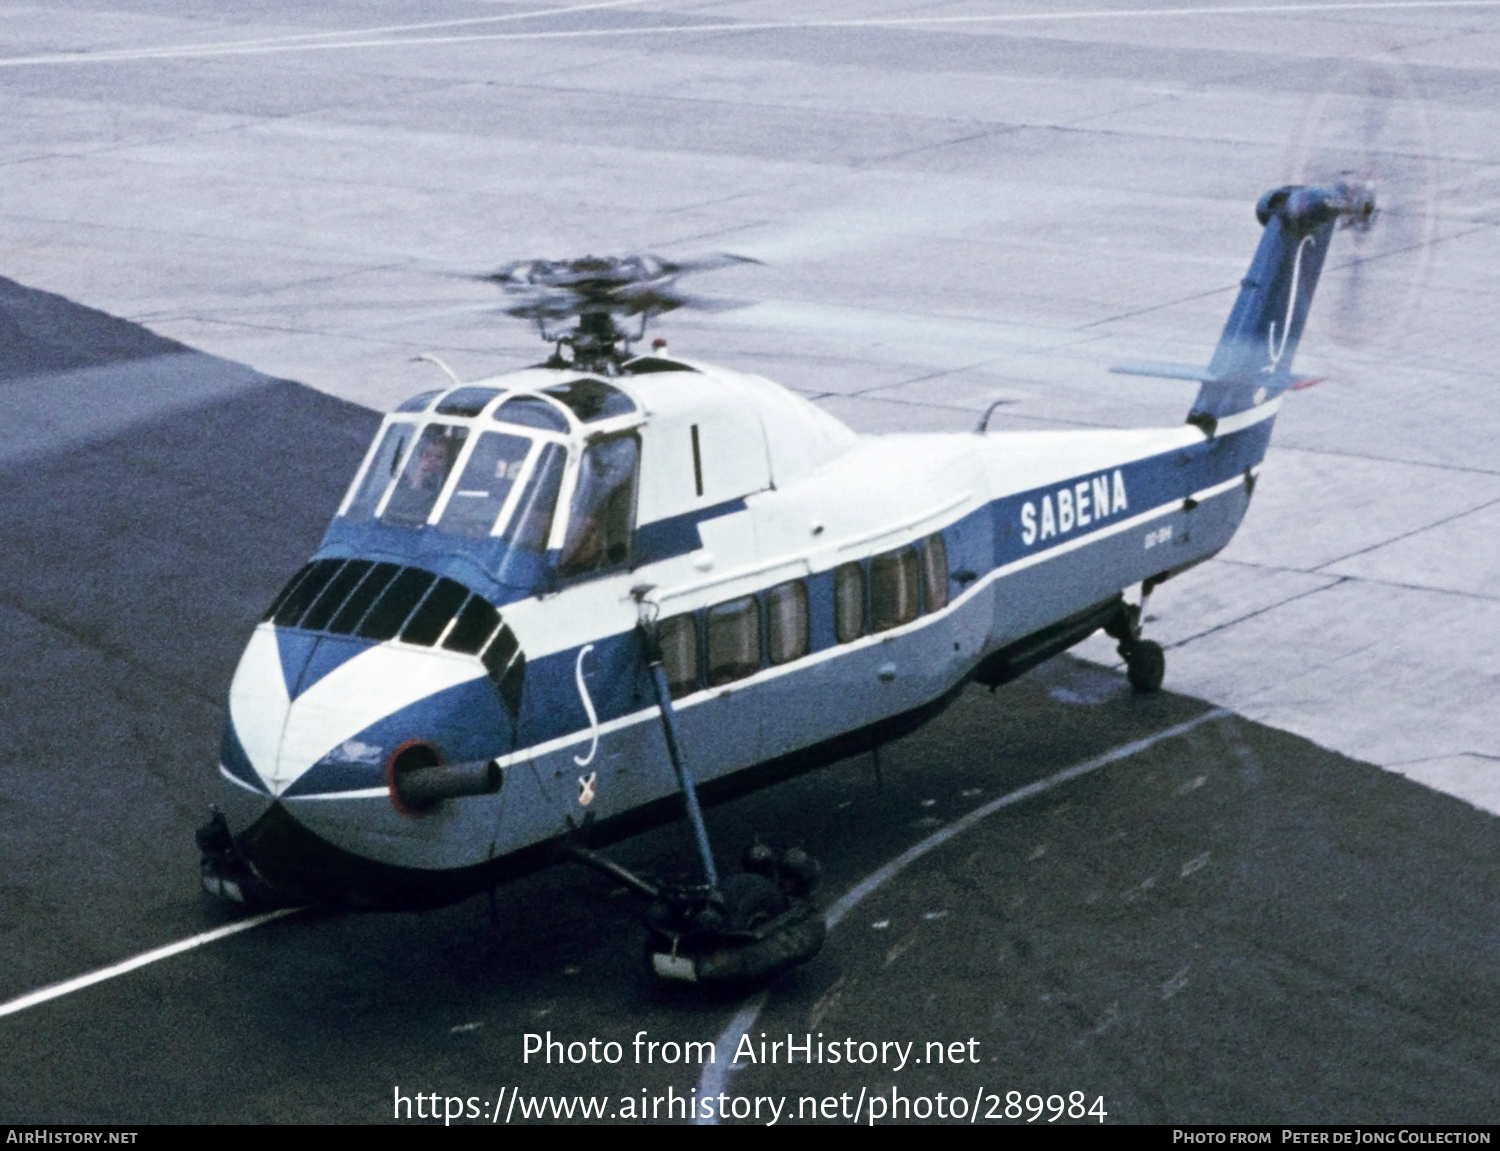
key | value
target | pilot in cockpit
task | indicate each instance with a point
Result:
(430, 469)
(424, 475)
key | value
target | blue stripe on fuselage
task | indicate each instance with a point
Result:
(677, 535)
(499, 572)
(981, 541)
(1134, 487)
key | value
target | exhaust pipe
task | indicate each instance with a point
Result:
(421, 787)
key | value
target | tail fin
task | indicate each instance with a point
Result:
(1253, 361)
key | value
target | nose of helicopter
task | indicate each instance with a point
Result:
(321, 715)
(316, 727)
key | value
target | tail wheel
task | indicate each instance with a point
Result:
(1145, 665)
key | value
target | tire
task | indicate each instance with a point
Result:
(1145, 666)
(750, 901)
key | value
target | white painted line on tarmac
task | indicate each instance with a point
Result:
(274, 43)
(200, 51)
(715, 1075)
(57, 990)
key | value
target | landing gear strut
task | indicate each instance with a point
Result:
(1145, 662)
(742, 930)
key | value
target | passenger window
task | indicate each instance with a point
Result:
(848, 602)
(531, 522)
(678, 638)
(381, 471)
(893, 589)
(424, 475)
(601, 519)
(935, 571)
(733, 641)
(786, 622)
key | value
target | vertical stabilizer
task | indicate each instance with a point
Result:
(1253, 361)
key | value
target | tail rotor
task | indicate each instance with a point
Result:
(1368, 133)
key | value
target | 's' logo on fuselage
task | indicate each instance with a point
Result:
(1075, 506)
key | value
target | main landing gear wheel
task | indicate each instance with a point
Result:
(759, 924)
(1145, 662)
(1145, 665)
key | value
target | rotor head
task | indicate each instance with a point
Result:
(595, 292)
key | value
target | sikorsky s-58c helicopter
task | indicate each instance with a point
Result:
(556, 603)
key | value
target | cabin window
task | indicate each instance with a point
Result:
(381, 471)
(787, 630)
(603, 512)
(510, 681)
(678, 638)
(733, 640)
(498, 655)
(848, 602)
(893, 589)
(359, 602)
(493, 468)
(531, 523)
(935, 571)
(648, 364)
(422, 479)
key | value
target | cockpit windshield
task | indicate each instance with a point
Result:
(382, 469)
(412, 464)
(462, 479)
(425, 473)
(494, 466)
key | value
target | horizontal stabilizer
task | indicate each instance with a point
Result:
(1165, 371)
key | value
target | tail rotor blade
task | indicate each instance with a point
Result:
(1369, 129)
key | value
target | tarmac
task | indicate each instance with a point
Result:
(1279, 916)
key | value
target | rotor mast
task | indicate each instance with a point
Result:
(577, 304)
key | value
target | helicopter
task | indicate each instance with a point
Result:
(564, 604)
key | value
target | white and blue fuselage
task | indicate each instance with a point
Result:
(810, 585)
(479, 593)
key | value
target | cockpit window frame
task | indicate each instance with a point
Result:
(412, 423)
(466, 428)
(575, 442)
(549, 403)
